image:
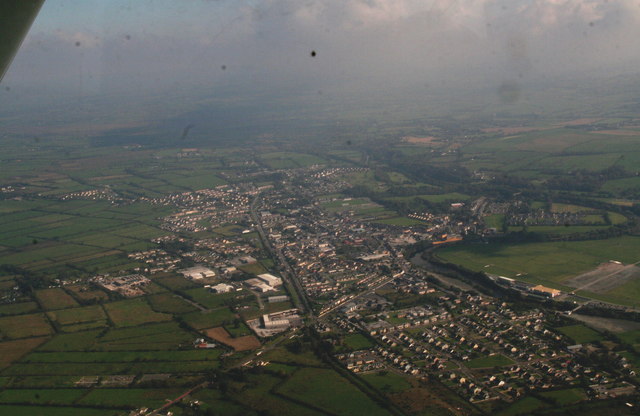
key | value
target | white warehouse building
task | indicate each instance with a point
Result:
(270, 279)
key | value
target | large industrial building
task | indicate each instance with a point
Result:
(259, 285)
(270, 279)
(197, 272)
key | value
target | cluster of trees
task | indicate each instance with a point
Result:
(27, 281)
(585, 180)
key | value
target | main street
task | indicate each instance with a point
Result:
(289, 276)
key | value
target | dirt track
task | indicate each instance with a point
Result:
(604, 278)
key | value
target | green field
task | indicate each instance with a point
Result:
(387, 382)
(77, 236)
(198, 182)
(174, 282)
(169, 303)
(548, 263)
(11, 351)
(565, 397)
(125, 398)
(228, 230)
(78, 315)
(83, 369)
(497, 360)
(357, 342)
(18, 308)
(133, 312)
(282, 355)
(213, 300)
(288, 160)
(450, 197)
(152, 336)
(523, 407)
(214, 401)
(494, 221)
(54, 396)
(366, 209)
(559, 229)
(87, 294)
(327, 390)
(630, 337)
(122, 356)
(210, 319)
(557, 207)
(347, 204)
(259, 398)
(400, 221)
(253, 268)
(619, 185)
(23, 326)
(580, 334)
(54, 411)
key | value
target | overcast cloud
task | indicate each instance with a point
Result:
(93, 47)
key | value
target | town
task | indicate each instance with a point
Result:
(328, 267)
(309, 257)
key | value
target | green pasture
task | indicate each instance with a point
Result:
(213, 300)
(122, 356)
(169, 303)
(400, 221)
(78, 315)
(497, 360)
(327, 390)
(548, 263)
(133, 312)
(41, 396)
(580, 334)
(150, 337)
(565, 397)
(55, 298)
(23, 326)
(55, 411)
(357, 342)
(210, 319)
(288, 160)
(387, 381)
(129, 398)
(18, 308)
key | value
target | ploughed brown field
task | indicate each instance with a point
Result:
(420, 140)
(246, 343)
(510, 130)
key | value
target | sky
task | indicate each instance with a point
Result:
(101, 47)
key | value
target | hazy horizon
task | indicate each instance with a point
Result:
(93, 46)
(371, 56)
